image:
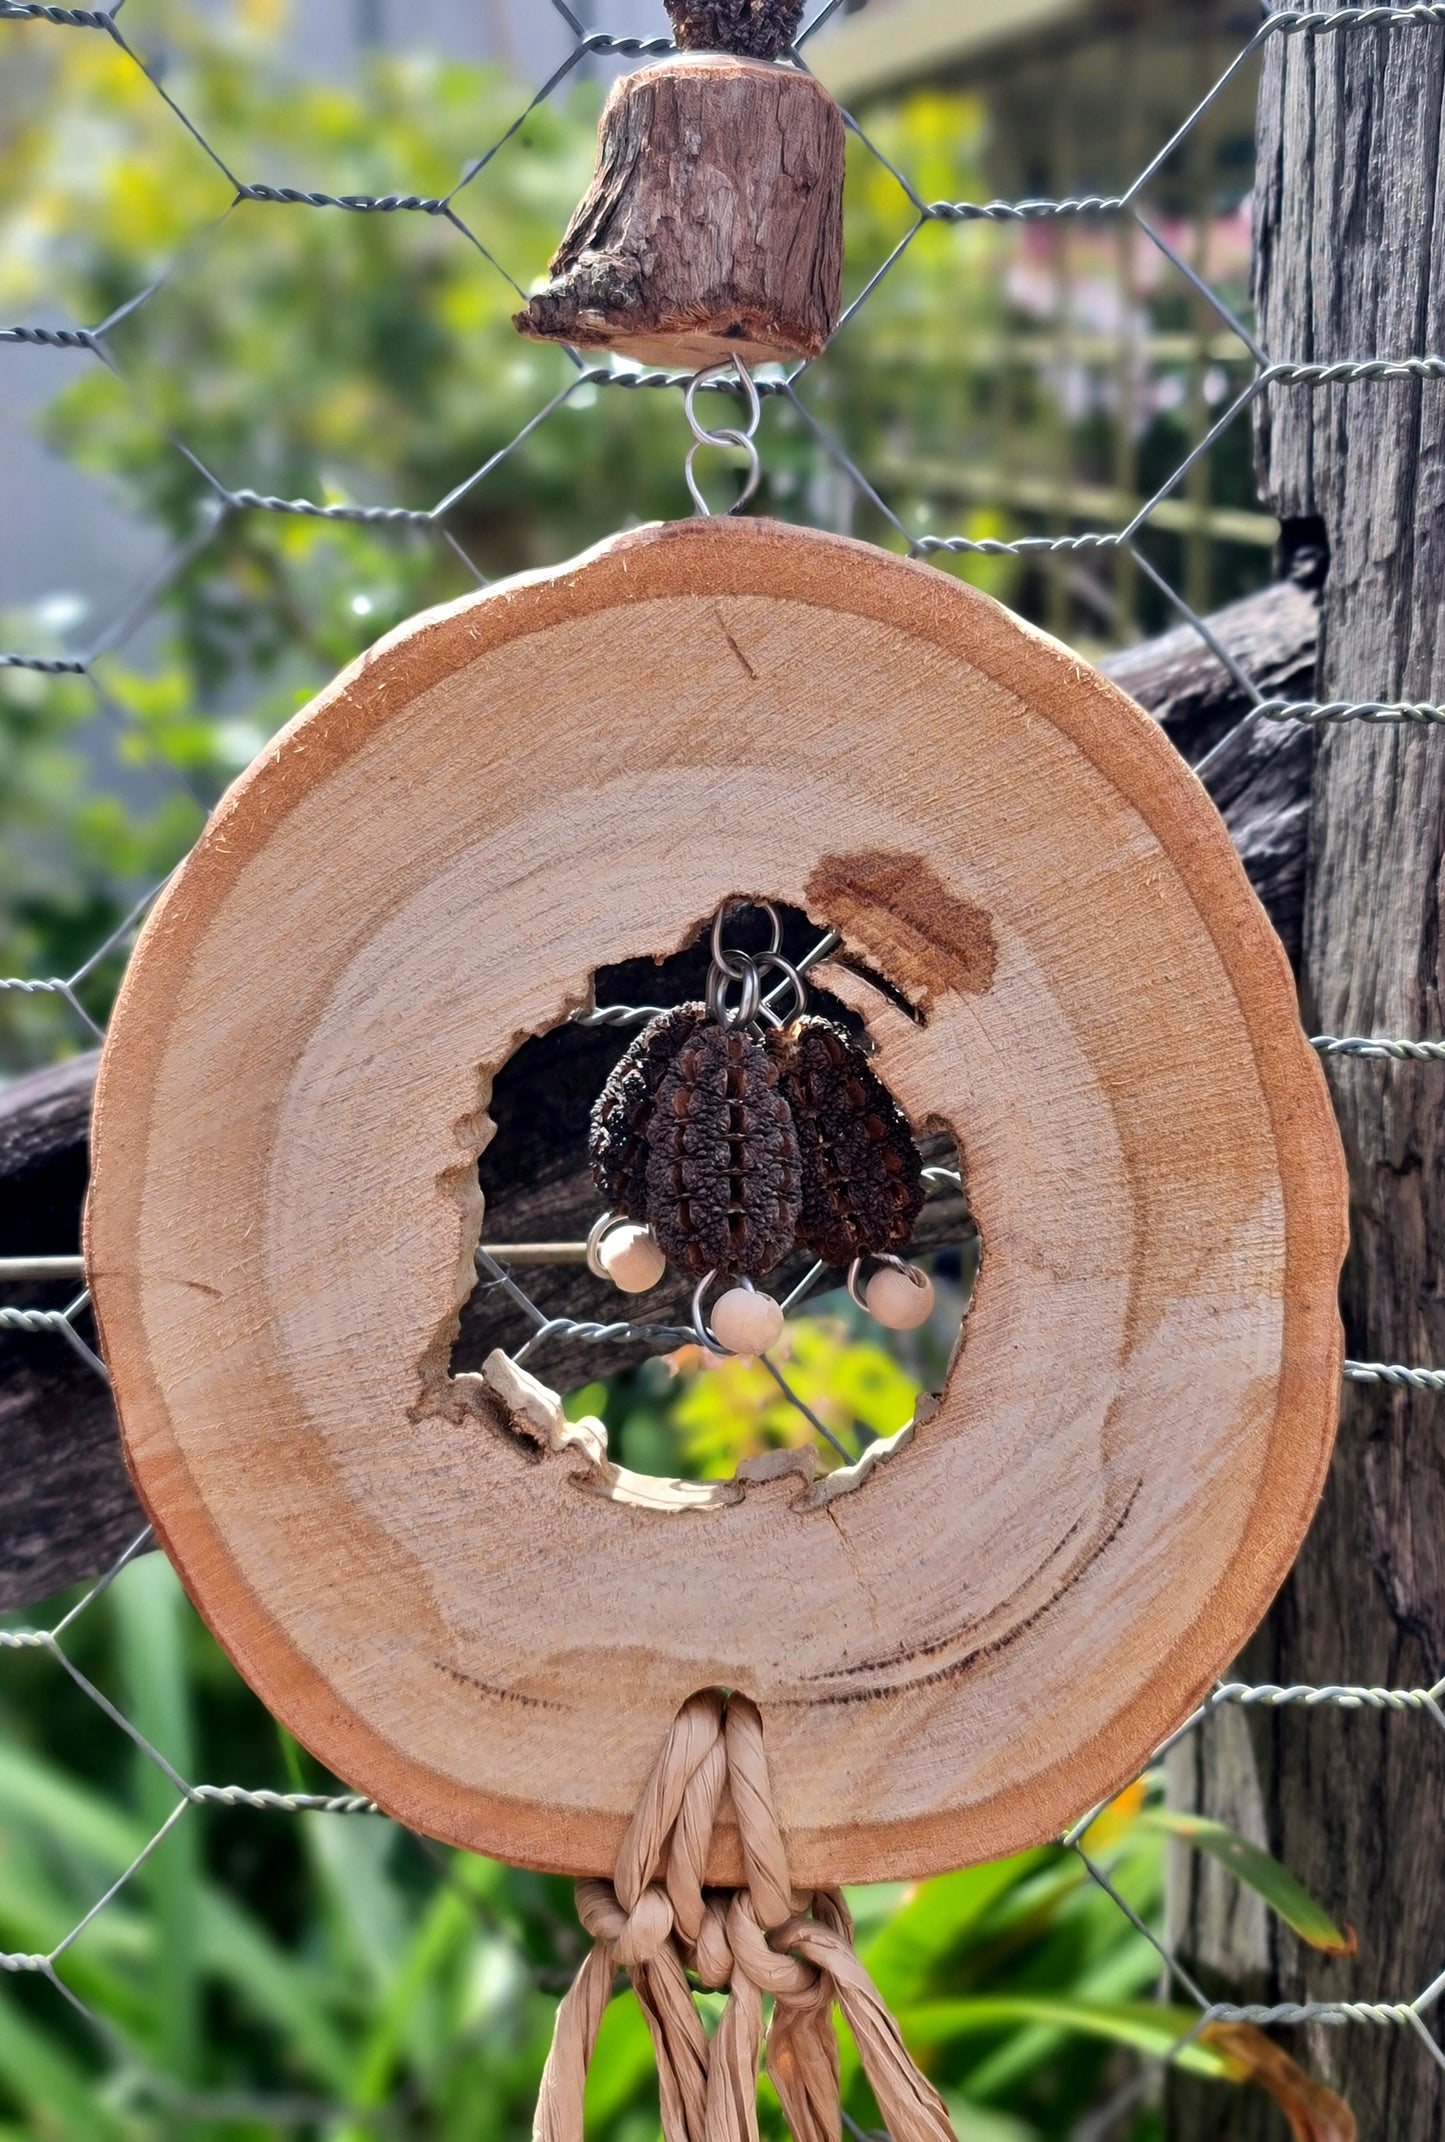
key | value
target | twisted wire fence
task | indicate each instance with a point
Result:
(1270, 373)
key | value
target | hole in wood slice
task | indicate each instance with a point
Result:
(671, 1409)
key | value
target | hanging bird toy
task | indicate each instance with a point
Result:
(714, 1702)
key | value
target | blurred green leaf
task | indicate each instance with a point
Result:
(50, 2086)
(1285, 1896)
(1144, 2026)
(734, 1409)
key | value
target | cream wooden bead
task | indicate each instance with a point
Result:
(745, 1322)
(631, 1259)
(899, 1301)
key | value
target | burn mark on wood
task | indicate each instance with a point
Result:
(924, 937)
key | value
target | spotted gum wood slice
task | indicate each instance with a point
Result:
(965, 1645)
(69, 1505)
(713, 227)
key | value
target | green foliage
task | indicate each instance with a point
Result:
(698, 1416)
(262, 1975)
(1287, 1898)
(737, 1410)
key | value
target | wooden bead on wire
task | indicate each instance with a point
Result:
(746, 1322)
(631, 1259)
(901, 1300)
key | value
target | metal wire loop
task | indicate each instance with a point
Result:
(750, 485)
(725, 435)
(700, 1325)
(744, 968)
(720, 955)
(700, 432)
(769, 962)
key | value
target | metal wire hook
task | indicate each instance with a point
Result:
(765, 962)
(719, 952)
(726, 435)
(897, 1264)
(595, 1233)
(705, 1336)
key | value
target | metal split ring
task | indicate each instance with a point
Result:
(745, 1011)
(747, 969)
(725, 435)
(899, 1264)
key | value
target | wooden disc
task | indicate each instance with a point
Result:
(456, 1603)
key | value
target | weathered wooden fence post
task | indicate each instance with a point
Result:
(1351, 264)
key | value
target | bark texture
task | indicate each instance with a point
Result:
(1349, 264)
(713, 227)
(1260, 779)
(67, 1508)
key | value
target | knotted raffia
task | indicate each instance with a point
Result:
(655, 1920)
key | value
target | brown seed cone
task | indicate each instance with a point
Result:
(723, 1184)
(862, 1174)
(762, 29)
(617, 1140)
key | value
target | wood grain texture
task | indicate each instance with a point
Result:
(1350, 265)
(1005, 1617)
(713, 227)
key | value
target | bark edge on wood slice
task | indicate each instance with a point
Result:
(713, 227)
(442, 1587)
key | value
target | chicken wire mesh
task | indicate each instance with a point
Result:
(1268, 372)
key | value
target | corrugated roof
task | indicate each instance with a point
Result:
(899, 40)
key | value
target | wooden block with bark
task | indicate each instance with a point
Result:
(713, 227)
